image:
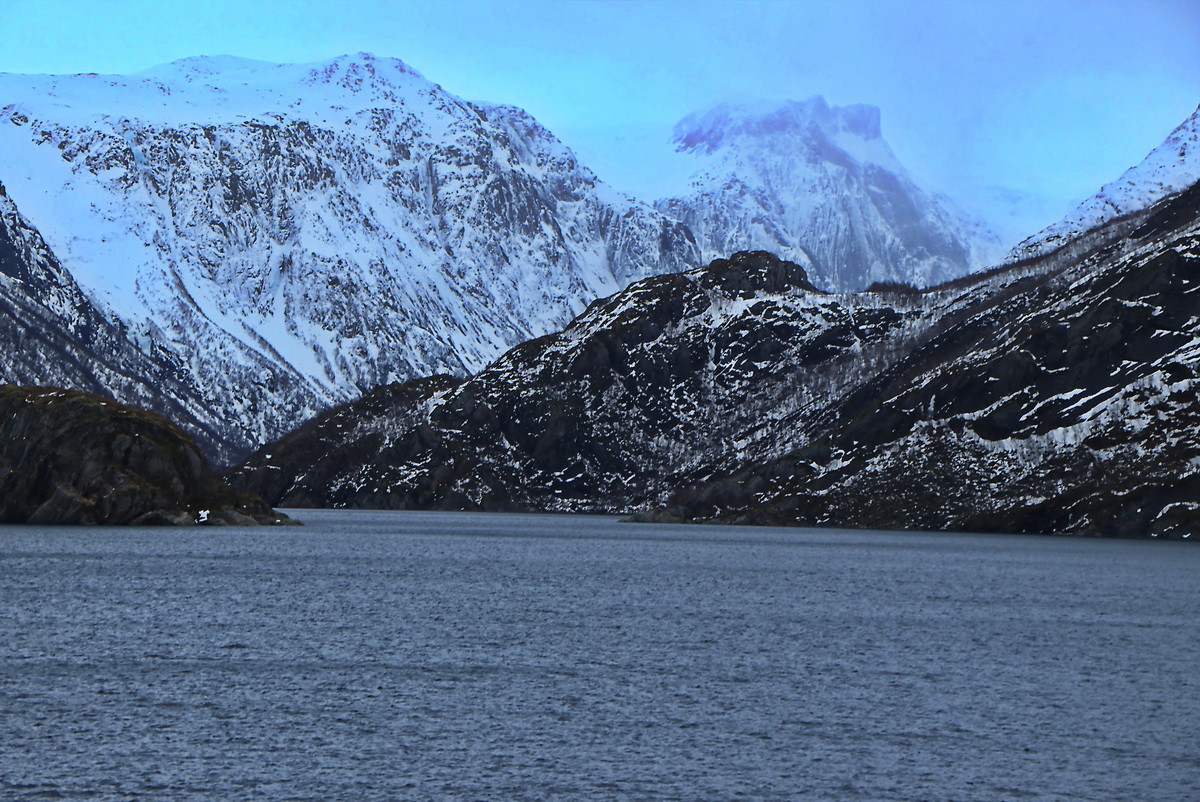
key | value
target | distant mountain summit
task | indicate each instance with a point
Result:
(1171, 167)
(817, 184)
(298, 234)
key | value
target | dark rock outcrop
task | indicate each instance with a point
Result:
(73, 458)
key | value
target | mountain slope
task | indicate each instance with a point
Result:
(818, 185)
(662, 385)
(54, 335)
(1058, 396)
(1171, 167)
(300, 233)
(1071, 406)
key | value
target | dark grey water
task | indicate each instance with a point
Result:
(430, 656)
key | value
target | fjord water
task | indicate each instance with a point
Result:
(446, 656)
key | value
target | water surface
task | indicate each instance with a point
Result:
(456, 656)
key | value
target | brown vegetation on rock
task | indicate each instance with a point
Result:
(73, 458)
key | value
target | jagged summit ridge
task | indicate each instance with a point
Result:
(221, 88)
(346, 69)
(818, 184)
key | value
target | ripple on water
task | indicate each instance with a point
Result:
(393, 655)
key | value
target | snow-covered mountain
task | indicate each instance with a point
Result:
(1171, 167)
(817, 184)
(1061, 398)
(1053, 396)
(297, 234)
(53, 334)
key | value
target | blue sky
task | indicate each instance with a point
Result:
(1053, 97)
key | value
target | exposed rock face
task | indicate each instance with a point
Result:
(74, 458)
(1069, 403)
(818, 185)
(54, 335)
(293, 235)
(1058, 395)
(647, 391)
(352, 440)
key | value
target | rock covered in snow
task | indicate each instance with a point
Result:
(53, 334)
(660, 386)
(1171, 167)
(1054, 396)
(298, 234)
(1064, 399)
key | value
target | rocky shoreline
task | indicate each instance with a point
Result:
(74, 458)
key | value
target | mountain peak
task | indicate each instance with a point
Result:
(349, 70)
(323, 227)
(222, 88)
(708, 131)
(207, 66)
(811, 181)
(352, 70)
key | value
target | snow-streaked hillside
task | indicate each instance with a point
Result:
(348, 223)
(1064, 399)
(1055, 396)
(53, 334)
(818, 184)
(1171, 167)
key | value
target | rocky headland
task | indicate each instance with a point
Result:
(74, 458)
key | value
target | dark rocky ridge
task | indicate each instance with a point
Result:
(74, 458)
(1070, 406)
(656, 387)
(1055, 395)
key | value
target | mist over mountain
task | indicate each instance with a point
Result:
(818, 184)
